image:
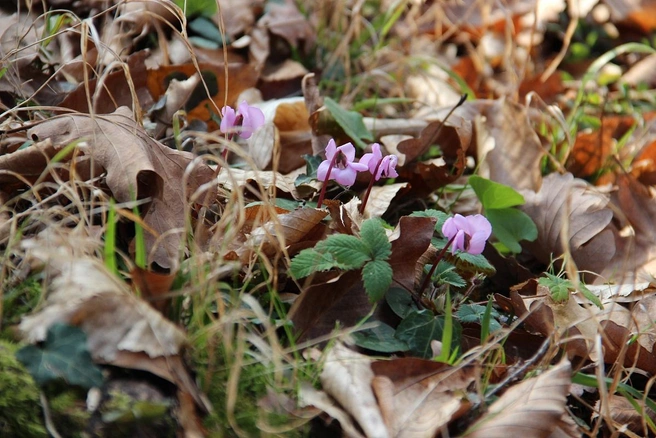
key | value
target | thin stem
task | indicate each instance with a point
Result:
(325, 182)
(439, 257)
(371, 184)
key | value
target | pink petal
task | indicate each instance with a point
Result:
(477, 243)
(479, 224)
(458, 242)
(330, 150)
(228, 118)
(348, 150)
(449, 229)
(345, 177)
(322, 170)
(253, 119)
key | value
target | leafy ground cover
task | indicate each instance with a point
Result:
(340, 218)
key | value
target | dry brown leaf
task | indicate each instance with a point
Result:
(233, 178)
(153, 287)
(413, 241)
(417, 397)
(347, 377)
(308, 396)
(572, 206)
(625, 415)
(530, 408)
(136, 166)
(581, 323)
(517, 150)
(381, 197)
(122, 330)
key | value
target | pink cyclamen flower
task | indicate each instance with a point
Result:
(345, 169)
(253, 119)
(378, 165)
(469, 233)
(250, 119)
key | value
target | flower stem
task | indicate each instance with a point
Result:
(325, 183)
(371, 184)
(439, 257)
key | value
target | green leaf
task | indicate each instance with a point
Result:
(510, 226)
(445, 273)
(474, 313)
(349, 251)
(439, 215)
(559, 287)
(590, 295)
(377, 277)
(206, 29)
(493, 194)
(64, 355)
(476, 262)
(400, 301)
(380, 338)
(197, 7)
(373, 235)
(312, 163)
(350, 121)
(419, 328)
(309, 261)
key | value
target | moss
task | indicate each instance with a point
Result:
(68, 410)
(20, 408)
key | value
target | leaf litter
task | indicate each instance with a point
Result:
(212, 257)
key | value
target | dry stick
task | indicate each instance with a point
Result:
(371, 184)
(522, 369)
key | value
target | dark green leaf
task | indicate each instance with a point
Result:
(445, 273)
(511, 226)
(373, 235)
(377, 277)
(493, 194)
(350, 121)
(349, 251)
(419, 328)
(380, 338)
(439, 215)
(309, 261)
(64, 355)
(312, 163)
(197, 7)
(475, 312)
(400, 301)
(476, 262)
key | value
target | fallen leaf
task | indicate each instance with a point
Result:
(122, 330)
(381, 197)
(415, 234)
(625, 415)
(153, 287)
(418, 397)
(530, 408)
(572, 210)
(137, 167)
(514, 159)
(347, 377)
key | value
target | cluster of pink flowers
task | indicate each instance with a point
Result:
(340, 164)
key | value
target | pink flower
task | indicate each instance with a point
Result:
(469, 233)
(228, 119)
(379, 165)
(344, 168)
(253, 119)
(249, 118)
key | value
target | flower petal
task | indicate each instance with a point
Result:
(228, 118)
(331, 148)
(345, 177)
(477, 243)
(322, 170)
(459, 242)
(449, 229)
(348, 150)
(479, 224)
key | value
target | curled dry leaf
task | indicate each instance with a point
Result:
(515, 156)
(417, 397)
(136, 166)
(533, 407)
(381, 197)
(413, 241)
(232, 178)
(624, 414)
(582, 323)
(347, 377)
(122, 330)
(454, 139)
(571, 210)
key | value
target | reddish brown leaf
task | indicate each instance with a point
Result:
(153, 287)
(414, 240)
